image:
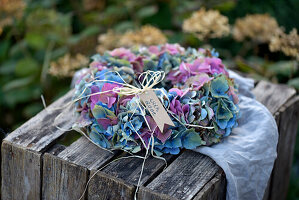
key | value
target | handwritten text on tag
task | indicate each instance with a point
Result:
(156, 109)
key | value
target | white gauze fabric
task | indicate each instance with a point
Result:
(247, 156)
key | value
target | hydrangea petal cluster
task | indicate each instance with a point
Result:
(197, 93)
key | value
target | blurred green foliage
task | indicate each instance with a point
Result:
(50, 29)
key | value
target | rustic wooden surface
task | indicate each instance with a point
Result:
(22, 152)
(285, 150)
(184, 178)
(20, 173)
(62, 180)
(40, 132)
(70, 168)
(275, 98)
(34, 166)
(125, 173)
(218, 183)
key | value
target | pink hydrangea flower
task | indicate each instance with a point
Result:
(107, 96)
(231, 91)
(98, 65)
(154, 50)
(179, 92)
(199, 80)
(180, 75)
(177, 108)
(173, 48)
(123, 53)
(216, 66)
(199, 66)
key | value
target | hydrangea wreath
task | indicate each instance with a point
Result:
(196, 92)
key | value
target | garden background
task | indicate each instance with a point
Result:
(43, 42)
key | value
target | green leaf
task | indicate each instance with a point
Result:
(89, 31)
(147, 11)
(226, 6)
(36, 40)
(8, 67)
(284, 68)
(32, 109)
(18, 49)
(4, 46)
(26, 67)
(294, 83)
(243, 67)
(21, 95)
(124, 26)
(17, 83)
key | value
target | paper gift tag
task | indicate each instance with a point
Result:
(156, 109)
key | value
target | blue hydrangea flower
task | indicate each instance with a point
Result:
(191, 139)
(219, 87)
(97, 137)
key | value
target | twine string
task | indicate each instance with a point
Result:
(149, 80)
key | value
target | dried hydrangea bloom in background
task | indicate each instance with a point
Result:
(107, 41)
(287, 43)
(146, 35)
(257, 27)
(10, 10)
(66, 65)
(207, 24)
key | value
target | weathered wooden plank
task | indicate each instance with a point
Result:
(40, 131)
(148, 194)
(59, 180)
(218, 183)
(273, 96)
(184, 178)
(105, 187)
(288, 124)
(273, 105)
(82, 156)
(86, 154)
(125, 175)
(56, 149)
(22, 151)
(20, 173)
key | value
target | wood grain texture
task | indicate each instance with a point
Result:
(277, 98)
(22, 151)
(148, 194)
(40, 131)
(273, 96)
(65, 175)
(106, 187)
(125, 173)
(214, 189)
(61, 179)
(20, 171)
(86, 154)
(288, 125)
(63, 171)
(184, 178)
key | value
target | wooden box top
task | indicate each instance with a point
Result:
(188, 175)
